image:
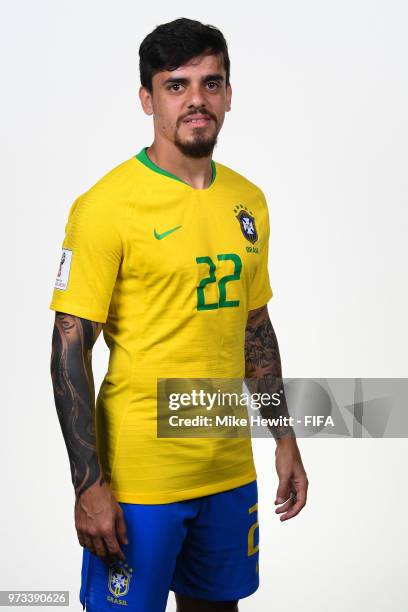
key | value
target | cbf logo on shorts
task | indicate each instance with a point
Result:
(247, 222)
(61, 281)
(119, 579)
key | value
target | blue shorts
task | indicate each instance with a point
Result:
(205, 548)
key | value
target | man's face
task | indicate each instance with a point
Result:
(189, 104)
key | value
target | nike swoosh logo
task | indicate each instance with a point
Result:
(164, 234)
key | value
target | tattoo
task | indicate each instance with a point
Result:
(263, 367)
(74, 394)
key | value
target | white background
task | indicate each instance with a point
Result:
(319, 122)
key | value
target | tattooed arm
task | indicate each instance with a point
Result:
(97, 514)
(263, 365)
(74, 394)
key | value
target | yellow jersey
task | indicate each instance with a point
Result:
(171, 271)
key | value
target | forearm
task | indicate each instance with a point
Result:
(74, 394)
(263, 367)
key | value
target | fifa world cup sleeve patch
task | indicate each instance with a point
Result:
(61, 282)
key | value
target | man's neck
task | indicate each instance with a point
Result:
(194, 172)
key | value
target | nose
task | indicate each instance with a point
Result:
(197, 97)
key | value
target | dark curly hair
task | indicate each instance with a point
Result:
(172, 44)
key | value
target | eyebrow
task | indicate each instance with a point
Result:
(183, 81)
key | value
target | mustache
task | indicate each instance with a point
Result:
(200, 112)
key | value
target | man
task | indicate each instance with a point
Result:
(167, 254)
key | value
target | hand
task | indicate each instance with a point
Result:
(292, 478)
(100, 523)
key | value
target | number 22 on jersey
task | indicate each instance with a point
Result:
(221, 282)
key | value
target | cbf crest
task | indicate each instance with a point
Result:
(246, 222)
(119, 579)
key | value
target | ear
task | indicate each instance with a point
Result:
(146, 100)
(229, 96)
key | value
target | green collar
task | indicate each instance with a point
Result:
(145, 159)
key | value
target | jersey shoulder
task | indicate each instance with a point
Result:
(116, 184)
(106, 201)
(235, 180)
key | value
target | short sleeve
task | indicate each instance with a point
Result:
(261, 291)
(90, 260)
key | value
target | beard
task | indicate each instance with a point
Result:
(200, 146)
